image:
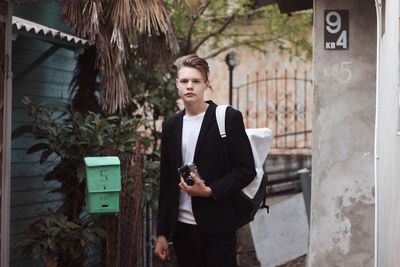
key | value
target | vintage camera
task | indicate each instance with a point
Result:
(185, 170)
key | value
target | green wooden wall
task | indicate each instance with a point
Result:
(46, 13)
(47, 83)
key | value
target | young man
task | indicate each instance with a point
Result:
(200, 219)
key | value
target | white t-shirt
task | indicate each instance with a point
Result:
(190, 133)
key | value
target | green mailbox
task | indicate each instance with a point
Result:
(103, 184)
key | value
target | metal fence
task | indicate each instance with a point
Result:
(281, 101)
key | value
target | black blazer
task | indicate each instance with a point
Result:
(226, 176)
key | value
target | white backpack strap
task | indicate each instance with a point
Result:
(220, 115)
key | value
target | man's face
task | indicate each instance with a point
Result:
(191, 85)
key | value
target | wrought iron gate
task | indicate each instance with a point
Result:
(281, 102)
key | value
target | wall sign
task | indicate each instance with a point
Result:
(336, 30)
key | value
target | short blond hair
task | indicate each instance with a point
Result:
(194, 61)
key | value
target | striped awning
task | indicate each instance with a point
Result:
(30, 26)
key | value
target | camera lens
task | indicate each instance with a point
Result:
(189, 180)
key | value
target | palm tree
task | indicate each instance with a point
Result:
(113, 27)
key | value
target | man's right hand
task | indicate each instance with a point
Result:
(162, 250)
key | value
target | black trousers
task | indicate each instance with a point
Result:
(196, 249)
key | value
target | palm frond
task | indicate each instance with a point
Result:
(153, 18)
(110, 55)
(84, 16)
(114, 91)
(151, 52)
(119, 13)
(114, 25)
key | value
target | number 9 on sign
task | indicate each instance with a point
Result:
(333, 21)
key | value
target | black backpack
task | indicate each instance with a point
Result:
(253, 196)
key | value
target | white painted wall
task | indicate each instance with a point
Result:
(388, 142)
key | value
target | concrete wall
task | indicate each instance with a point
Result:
(342, 205)
(281, 235)
(388, 141)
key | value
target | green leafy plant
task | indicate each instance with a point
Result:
(151, 174)
(71, 137)
(66, 137)
(54, 238)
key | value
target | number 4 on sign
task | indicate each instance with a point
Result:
(342, 40)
